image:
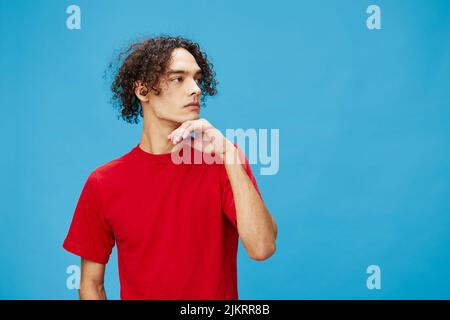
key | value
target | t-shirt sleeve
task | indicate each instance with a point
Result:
(228, 204)
(90, 235)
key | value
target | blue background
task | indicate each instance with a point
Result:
(364, 135)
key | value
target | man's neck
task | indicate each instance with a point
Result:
(154, 135)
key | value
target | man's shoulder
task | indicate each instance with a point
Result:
(113, 167)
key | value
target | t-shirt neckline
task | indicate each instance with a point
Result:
(140, 153)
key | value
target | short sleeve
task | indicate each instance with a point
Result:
(89, 235)
(228, 204)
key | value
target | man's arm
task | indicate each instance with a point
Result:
(92, 279)
(256, 226)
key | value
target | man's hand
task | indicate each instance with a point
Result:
(208, 139)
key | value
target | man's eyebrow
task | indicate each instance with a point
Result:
(171, 71)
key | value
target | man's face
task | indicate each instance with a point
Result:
(179, 87)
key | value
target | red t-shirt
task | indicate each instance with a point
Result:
(174, 226)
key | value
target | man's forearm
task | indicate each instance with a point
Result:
(256, 226)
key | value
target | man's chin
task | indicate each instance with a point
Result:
(193, 116)
(184, 118)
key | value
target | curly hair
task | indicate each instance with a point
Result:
(146, 61)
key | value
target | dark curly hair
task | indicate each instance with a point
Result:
(146, 61)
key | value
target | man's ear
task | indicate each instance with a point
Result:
(141, 91)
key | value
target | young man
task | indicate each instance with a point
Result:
(176, 225)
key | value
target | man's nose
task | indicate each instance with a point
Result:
(195, 89)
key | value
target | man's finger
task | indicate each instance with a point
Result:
(208, 147)
(186, 132)
(182, 134)
(180, 128)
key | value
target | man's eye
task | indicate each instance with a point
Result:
(178, 79)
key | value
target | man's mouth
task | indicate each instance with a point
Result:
(193, 106)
